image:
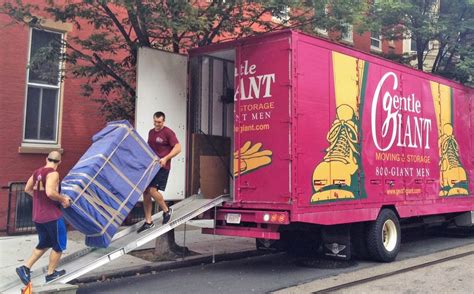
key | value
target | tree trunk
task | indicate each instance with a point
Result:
(166, 247)
(163, 247)
(419, 55)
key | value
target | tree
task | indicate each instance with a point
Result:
(446, 26)
(107, 57)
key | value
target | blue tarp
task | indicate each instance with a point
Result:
(107, 181)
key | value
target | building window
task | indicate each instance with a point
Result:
(282, 16)
(43, 92)
(348, 35)
(412, 44)
(375, 41)
(323, 32)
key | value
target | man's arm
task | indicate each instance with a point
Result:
(175, 151)
(29, 186)
(52, 184)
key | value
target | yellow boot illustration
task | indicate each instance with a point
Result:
(452, 174)
(453, 178)
(332, 176)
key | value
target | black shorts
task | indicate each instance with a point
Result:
(52, 234)
(160, 179)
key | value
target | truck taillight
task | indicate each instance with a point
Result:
(281, 218)
(274, 217)
(266, 217)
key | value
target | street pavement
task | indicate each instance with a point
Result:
(15, 250)
(274, 272)
(450, 277)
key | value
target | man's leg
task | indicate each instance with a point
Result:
(158, 198)
(58, 233)
(53, 261)
(37, 253)
(147, 205)
(24, 271)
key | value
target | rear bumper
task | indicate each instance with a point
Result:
(243, 232)
(252, 223)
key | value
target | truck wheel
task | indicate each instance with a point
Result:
(303, 243)
(384, 236)
(359, 241)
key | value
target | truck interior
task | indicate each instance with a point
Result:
(211, 124)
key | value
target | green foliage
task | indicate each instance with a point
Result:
(444, 28)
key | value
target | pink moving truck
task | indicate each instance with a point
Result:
(318, 143)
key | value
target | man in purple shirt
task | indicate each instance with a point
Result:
(43, 186)
(165, 144)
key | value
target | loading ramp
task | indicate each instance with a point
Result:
(86, 260)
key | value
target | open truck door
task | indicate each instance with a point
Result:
(162, 86)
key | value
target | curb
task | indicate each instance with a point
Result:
(162, 266)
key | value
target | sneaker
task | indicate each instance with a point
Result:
(24, 274)
(453, 176)
(55, 275)
(167, 215)
(145, 227)
(332, 177)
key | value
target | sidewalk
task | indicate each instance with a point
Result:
(14, 250)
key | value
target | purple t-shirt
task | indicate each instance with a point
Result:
(162, 142)
(44, 208)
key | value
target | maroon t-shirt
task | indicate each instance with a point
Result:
(44, 208)
(162, 142)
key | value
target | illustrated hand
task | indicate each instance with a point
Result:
(66, 202)
(251, 158)
(163, 161)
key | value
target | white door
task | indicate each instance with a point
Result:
(162, 86)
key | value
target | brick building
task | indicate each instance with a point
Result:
(37, 115)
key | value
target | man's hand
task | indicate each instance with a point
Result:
(163, 161)
(66, 201)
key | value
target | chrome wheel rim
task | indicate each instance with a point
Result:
(389, 235)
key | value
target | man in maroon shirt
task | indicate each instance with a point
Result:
(165, 144)
(43, 186)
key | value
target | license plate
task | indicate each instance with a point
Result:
(232, 218)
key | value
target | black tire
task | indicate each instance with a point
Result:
(359, 241)
(302, 243)
(384, 237)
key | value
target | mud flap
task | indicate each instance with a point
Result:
(336, 241)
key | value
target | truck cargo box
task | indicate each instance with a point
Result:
(107, 181)
(333, 133)
(321, 134)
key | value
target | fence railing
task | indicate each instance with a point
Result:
(20, 208)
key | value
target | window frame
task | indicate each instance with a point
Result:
(59, 87)
(378, 39)
(349, 35)
(412, 42)
(285, 18)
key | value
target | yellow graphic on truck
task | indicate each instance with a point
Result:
(335, 177)
(250, 158)
(453, 178)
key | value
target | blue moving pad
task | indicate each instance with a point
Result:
(107, 182)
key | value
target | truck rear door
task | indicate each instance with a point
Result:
(262, 121)
(162, 86)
